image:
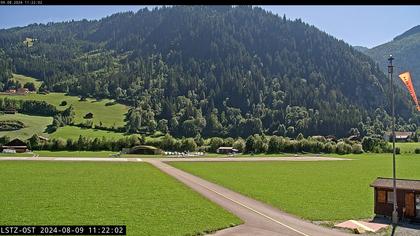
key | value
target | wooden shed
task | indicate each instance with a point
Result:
(408, 197)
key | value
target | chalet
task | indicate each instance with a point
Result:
(227, 150)
(22, 91)
(17, 145)
(399, 136)
(408, 198)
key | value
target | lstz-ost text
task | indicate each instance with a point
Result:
(63, 230)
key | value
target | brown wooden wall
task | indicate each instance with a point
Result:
(387, 208)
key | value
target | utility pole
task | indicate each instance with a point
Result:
(390, 72)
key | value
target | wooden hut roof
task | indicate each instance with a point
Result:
(406, 184)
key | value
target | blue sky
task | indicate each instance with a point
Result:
(357, 25)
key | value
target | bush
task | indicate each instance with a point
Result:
(215, 143)
(63, 103)
(417, 151)
(239, 144)
(397, 150)
(274, 144)
(357, 148)
(343, 148)
(188, 145)
(329, 147)
(228, 142)
(110, 103)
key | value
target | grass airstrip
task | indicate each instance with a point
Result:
(137, 195)
(324, 190)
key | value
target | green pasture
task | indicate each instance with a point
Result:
(109, 115)
(43, 153)
(408, 147)
(25, 79)
(323, 190)
(73, 132)
(137, 195)
(33, 125)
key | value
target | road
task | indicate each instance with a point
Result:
(259, 218)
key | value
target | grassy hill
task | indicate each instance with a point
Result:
(109, 115)
(73, 132)
(25, 79)
(34, 125)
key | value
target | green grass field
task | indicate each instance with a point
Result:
(25, 79)
(73, 132)
(137, 195)
(15, 154)
(34, 125)
(327, 190)
(74, 153)
(407, 147)
(109, 115)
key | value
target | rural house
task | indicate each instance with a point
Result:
(16, 145)
(408, 198)
(399, 136)
(22, 91)
(226, 150)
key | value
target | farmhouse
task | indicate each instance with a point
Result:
(11, 91)
(226, 150)
(16, 145)
(22, 91)
(399, 136)
(408, 197)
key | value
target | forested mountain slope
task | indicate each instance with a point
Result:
(405, 49)
(214, 71)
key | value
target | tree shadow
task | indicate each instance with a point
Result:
(50, 129)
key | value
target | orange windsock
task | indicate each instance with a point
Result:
(406, 78)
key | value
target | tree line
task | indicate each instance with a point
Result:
(254, 144)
